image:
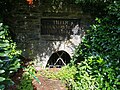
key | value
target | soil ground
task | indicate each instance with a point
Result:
(46, 84)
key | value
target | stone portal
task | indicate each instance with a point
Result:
(44, 28)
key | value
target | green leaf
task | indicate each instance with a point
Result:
(2, 79)
(2, 54)
(2, 71)
(118, 83)
(1, 61)
(4, 44)
(1, 24)
(2, 32)
(2, 87)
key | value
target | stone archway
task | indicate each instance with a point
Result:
(58, 59)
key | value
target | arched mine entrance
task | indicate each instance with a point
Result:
(58, 59)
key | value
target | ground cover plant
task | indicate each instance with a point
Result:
(65, 74)
(27, 78)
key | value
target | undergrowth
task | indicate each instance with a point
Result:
(65, 74)
(27, 78)
(9, 57)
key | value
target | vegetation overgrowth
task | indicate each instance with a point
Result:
(96, 60)
(27, 78)
(99, 68)
(9, 57)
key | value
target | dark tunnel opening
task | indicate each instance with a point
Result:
(58, 59)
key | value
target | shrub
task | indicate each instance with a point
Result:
(9, 61)
(101, 51)
(83, 79)
(66, 74)
(27, 77)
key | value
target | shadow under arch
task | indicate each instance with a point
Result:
(58, 59)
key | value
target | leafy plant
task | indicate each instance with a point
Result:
(9, 61)
(83, 79)
(27, 77)
(101, 51)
